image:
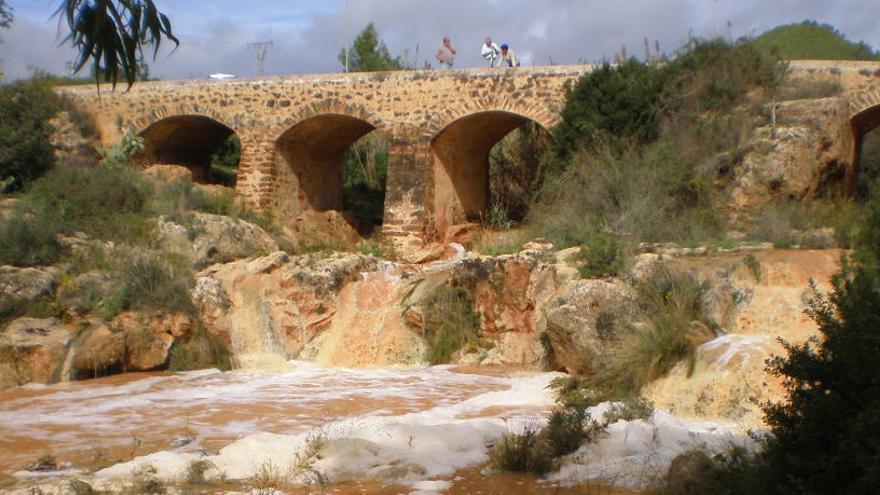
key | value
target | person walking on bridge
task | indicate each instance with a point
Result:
(490, 51)
(446, 54)
(508, 57)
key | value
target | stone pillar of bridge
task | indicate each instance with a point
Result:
(256, 170)
(408, 189)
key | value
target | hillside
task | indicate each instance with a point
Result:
(810, 40)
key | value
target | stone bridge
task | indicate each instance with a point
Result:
(440, 126)
(294, 131)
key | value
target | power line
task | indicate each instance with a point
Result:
(260, 48)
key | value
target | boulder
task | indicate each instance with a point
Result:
(26, 283)
(580, 328)
(32, 350)
(210, 239)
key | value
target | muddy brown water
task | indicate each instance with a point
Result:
(97, 423)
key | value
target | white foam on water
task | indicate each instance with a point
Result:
(409, 448)
(634, 454)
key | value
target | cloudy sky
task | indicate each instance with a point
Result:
(308, 34)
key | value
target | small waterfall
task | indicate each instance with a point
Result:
(254, 342)
(64, 373)
(368, 328)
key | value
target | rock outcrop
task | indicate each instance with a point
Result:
(797, 156)
(279, 307)
(132, 341)
(207, 239)
(580, 332)
(32, 350)
(24, 285)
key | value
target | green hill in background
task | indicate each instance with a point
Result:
(810, 40)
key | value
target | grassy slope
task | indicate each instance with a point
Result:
(811, 41)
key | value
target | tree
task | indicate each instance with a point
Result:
(5, 14)
(111, 34)
(369, 54)
(826, 435)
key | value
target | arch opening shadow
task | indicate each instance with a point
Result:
(321, 153)
(208, 148)
(866, 153)
(461, 154)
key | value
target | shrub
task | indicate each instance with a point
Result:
(524, 452)
(675, 324)
(26, 240)
(196, 471)
(151, 281)
(716, 75)
(603, 257)
(450, 322)
(106, 202)
(630, 409)
(364, 171)
(224, 162)
(825, 432)
(201, 350)
(516, 171)
(620, 101)
(568, 428)
(695, 472)
(25, 148)
(497, 218)
(123, 152)
(267, 478)
(810, 89)
(146, 482)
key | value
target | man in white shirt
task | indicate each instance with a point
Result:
(508, 57)
(490, 51)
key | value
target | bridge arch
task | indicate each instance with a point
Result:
(460, 153)
(190, 140)
(311, 154)
(865, 122)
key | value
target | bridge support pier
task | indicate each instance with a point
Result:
(409, 189)
(256, 172)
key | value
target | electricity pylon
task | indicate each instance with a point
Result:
(260, 48)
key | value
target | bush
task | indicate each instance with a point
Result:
(25, 148)
(695, 472)
(825, 432)
(450, 322)
(105, 202)
(29, 241)
(516, 171)
(364, 172)
(150, 281)
(675, 325)
(525, 452)
(603, 257)
(620, 101)
(568, 428)
(224, 162)
(716, 75)
(630, 409)
(201, 350)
